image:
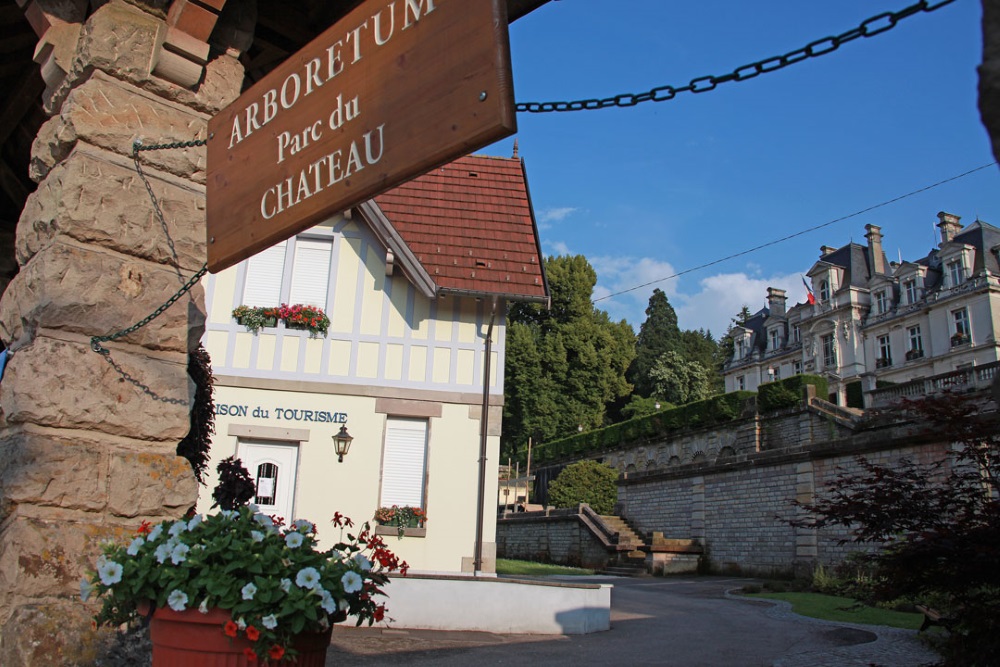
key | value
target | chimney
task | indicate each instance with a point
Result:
(825, 250)
(876, 260)
(949, 225)
(776, 301)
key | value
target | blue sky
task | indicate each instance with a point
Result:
(647, 191)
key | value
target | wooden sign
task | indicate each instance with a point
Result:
(391, 91)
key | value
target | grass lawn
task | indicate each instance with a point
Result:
(832, 608)
(529, 569)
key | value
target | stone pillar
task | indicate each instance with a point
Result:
(806, 543)
(88, 447)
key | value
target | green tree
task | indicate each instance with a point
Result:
(726, 349)
(679, 380)
(658, 334)
(563, 365)
(588, 482)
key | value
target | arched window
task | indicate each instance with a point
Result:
(267, 484)
(824, 291)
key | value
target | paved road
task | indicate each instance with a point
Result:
(687, 621)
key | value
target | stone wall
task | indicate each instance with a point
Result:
(87, 441)
(552, 536)
(740, 510)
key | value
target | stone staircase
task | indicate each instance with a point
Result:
(630, 559)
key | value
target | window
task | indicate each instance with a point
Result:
(310, 274)
(910, 289)
(797, 333)
(881, 302)
(829, 351)
(740, 348)
(916, 343)
(955, 272)
(740, 383)
(824, 291)
(884, 353)
(264, 273)
(775, 339)
(797, 368)
(963, 332)
(403, 462)
(775, 373)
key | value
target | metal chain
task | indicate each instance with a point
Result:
(95, 341)
(875, 25)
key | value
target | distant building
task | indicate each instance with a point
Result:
(876, 323)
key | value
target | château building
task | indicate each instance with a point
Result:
(871, 325)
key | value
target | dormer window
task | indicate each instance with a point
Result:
(881, 302)
(796, 333)
(775, 339)
(824, 291)
(956, 272)
(910, 290)
(741, 350)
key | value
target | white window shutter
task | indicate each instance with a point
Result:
(310, 272)
(263, 280)
(403, 463)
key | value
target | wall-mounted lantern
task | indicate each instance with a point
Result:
(342, 443)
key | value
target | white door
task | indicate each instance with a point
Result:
(272, 468)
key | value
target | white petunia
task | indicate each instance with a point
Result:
(293, 540)
(269, 622)
(195, 521)
(110, 572)
(177, 600)
(86, 588)
(241, 624)
(163, 552)
(363, 562)
(133, 548)
(228, 514)
(304, 526)
(155, 533)
(264, 520)
(307, 577)
(328, 603)
(351, 581)
(248, 591)
(286, 584)
(343, 605)
(179, 554)
(257, 535)
(203, 607)
(178, 528)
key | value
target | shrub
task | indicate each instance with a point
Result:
(787, 393)
(586, 482)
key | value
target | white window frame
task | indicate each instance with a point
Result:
(884, 345)
(960, 320)
(881, 302)
(956, 271)
(797, 333)
(796, 368)
(741, 383)
(910, 289)
(824, 291)
(829, 342)
(775, 339)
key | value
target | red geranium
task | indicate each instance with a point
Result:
(253, 634)
(250, 655)
(276, 652)
(231, 629)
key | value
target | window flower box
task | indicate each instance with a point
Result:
(298, 316)
(401, 520)
(255, 318)
(959, 339)
(883, 362)
(914, 354)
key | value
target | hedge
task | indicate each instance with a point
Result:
(716, 410)
(787, 393)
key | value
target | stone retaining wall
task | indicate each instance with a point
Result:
(552, 536)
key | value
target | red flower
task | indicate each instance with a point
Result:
(276, 652)
(231, 629)
(379, 612)
(144, 528)
(253, 634)
(250, 655)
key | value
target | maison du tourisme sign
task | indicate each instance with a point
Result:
(394, 89)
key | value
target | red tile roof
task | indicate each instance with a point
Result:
(471, 227)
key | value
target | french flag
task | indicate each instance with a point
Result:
(809, 293)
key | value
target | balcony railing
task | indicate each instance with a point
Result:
(966, 379)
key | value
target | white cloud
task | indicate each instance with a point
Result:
(556, 214)
(557, 248)
(716, 300)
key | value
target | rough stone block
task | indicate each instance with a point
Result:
(147, 484)
(84, 290)
(67, 385)
(97, 197)
(51, 633)
(51, 471)
(111, 114)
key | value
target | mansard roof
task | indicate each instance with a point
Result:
(984, 237)
(465, 228)
(853, 259)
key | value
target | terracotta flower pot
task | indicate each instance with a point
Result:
(192, 639)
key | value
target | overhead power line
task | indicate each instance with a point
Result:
(795, 235)
(875, 25)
